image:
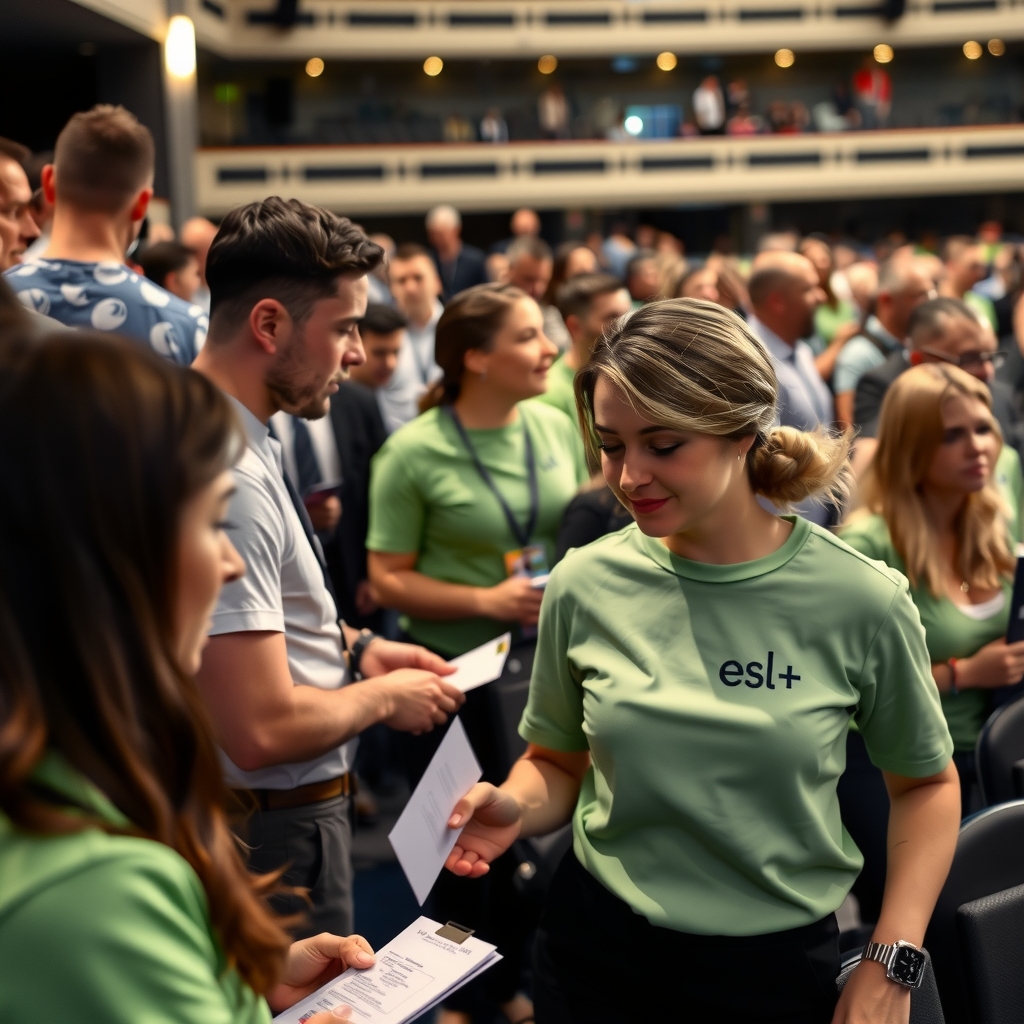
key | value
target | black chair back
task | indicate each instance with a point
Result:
(991, 932)
(999, 755)
(989, 858)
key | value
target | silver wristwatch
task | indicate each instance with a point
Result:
(904, 962)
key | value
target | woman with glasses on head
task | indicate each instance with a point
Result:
(695, 679)
(123, 895)
(932, 510)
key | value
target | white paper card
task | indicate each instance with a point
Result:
(482, 665)
(421, 837)
(413, 972)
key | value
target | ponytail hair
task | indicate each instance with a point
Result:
(693, 365)
(471, 320)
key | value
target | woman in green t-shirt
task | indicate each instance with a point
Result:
(457, 498)
(695, 678)
(123, 897)
(932, 510)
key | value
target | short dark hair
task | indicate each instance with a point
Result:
(410, 250)
(643, 256)
(283, 249)
(528, 245)
(381, 319)
(103, 157)
(926, 320)
(576, 295)
(163, 258)
(765, 281)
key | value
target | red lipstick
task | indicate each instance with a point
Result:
(645, 506)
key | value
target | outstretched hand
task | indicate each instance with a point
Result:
(492, 822)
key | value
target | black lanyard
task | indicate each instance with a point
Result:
(522, 536)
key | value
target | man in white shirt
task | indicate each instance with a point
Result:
(288, 286)
(416, 286)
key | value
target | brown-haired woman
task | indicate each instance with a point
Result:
(694, 682)
(465, 505)
(932, 510)
(122, 894)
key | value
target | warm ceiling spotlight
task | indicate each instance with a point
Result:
(972, 49)
(996, 47)
(180, 47)
(784, 58)
(667, 61)
(433, 66)
(547, 64)
(883, 53)
(314, 67)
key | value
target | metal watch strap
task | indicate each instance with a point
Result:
(880, 952)
(365, 638)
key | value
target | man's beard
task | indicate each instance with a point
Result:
(290, 384)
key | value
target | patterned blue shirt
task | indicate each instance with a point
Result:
(110, 296)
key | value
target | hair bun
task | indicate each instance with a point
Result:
(788, 466)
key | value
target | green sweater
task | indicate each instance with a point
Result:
(109, 929)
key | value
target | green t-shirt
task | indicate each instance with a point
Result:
(982, 305)
(109, 929)
(828, 320)
(560, 393)
(715, 702)
(427, 496)
(949, 632)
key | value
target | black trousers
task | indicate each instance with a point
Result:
(598, 962)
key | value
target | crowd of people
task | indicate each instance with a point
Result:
(752, 522)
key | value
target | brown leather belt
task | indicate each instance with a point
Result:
(300, 796)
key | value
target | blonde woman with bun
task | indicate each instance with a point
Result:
(695, 678)
(932, 511)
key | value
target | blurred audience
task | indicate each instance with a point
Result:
(197, 233)
(18, 228)
(416, 288)
(964, 266)
(903, 284)
(709, 106)
(174, 267)
(100, 185)
(460, 266)
(643, 277)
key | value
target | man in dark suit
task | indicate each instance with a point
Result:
(359, 432)
(941, 330)
(460, 266)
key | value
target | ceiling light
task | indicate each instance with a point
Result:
(547, 64)
(784, 58)
(996, 47)
(666, 61)
(883, 53)
(972, 49)
(432, 66)
(633, 124)
(180, 47)
(314, 67)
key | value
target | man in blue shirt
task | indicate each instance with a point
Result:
(100, 184)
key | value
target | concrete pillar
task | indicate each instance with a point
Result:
(181, 106)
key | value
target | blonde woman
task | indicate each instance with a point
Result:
(932, 511)
(695, 678)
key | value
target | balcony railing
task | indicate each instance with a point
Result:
(527, 28)
(477, 176)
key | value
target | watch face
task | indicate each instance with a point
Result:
(907, 966)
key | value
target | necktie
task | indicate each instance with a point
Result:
(306, 464)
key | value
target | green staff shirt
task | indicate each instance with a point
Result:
(426, 496)
(109, 929)
(715, 702)
(560, 392)
(949, 632)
